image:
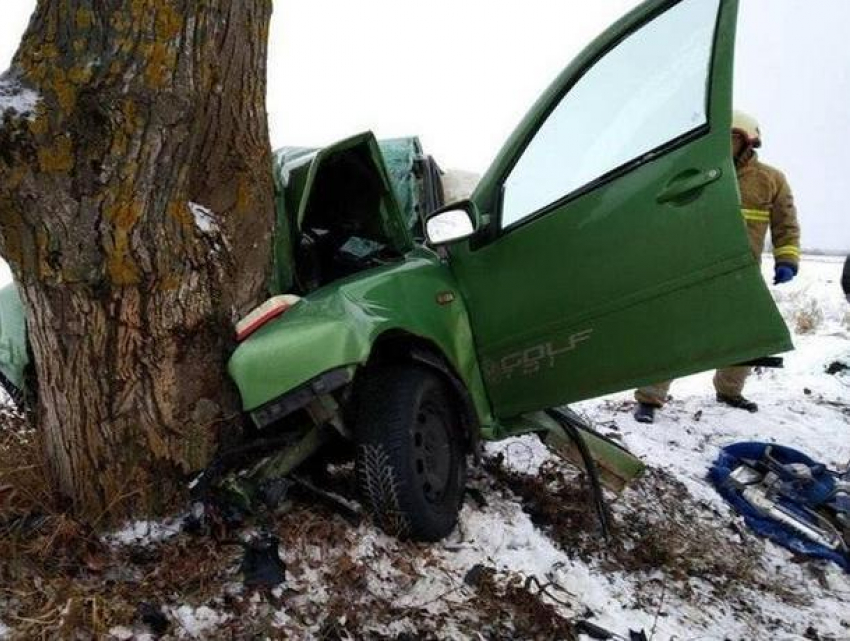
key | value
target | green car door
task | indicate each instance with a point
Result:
(611, 251)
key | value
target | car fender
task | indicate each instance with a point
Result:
(339, 324)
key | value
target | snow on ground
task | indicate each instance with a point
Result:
(145, 533)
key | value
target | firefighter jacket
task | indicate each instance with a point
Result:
(767, 202)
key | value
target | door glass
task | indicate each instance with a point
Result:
(648, 90)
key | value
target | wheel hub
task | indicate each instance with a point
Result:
(432, 453)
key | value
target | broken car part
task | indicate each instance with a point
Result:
(574, 427)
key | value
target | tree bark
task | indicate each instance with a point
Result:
(136, 210)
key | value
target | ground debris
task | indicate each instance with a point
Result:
(262, 566)
(508, 601)
(837, 367)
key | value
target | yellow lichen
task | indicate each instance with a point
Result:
(244, 194)
(168, 22)
(57, 157)
(160, 60)
(120, 144)
(138, 9)
(13, 230)
(39, 125)
(179, 210)
(14, 177)
(121, 267)
(80, 74)
(48, 51)
(84, 18)
(66, 92)
(124, 214)
(42, 241)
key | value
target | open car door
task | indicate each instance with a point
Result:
(612, 251)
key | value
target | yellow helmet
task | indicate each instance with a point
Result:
(747, 126)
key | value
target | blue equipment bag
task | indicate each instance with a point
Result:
(787, 497)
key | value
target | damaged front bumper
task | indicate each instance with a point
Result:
(302, 396)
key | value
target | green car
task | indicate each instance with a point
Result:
(604, 249)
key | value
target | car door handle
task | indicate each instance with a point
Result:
(685, 184)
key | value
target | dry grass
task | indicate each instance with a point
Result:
(58, 578)
(808, 317)
(23, 477)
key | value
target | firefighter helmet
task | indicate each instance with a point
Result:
(747, 126)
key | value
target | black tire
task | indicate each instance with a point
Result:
(411, 463)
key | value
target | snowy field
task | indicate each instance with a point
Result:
(686, 567)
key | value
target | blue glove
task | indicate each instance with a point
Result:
(783, 273)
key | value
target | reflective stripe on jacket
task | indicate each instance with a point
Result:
(767, 202)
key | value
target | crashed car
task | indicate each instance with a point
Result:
(603, 249)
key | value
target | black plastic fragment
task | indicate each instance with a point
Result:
(592, 630)
(273, 492)
(477, 496)
(152, 616)
(837, 367)
(476, 575)
(262, 566)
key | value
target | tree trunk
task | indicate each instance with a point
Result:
(136, 210)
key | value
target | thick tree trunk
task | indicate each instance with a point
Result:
(136, 210)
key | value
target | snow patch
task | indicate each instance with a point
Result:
(146, 532)
(524, 454)
(15, 99)
(123, 633)
(204, 218)
(5, 632)
(196, 622)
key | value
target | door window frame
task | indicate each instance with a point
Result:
(662, 150)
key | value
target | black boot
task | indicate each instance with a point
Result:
(738, 402)
(644, 413)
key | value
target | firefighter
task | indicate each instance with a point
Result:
(766, 203)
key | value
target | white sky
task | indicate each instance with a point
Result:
(461, 73)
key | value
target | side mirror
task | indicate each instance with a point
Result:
(454, 223)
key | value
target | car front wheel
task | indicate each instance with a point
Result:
(411, 464)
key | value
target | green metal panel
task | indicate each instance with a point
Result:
(612, 289)
(295, 170)
(337, 326)
(13, 336)
(400, 156)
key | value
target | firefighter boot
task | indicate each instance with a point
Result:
(738, 402)
(644, 413)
